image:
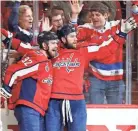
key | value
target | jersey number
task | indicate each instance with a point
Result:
(27, 61)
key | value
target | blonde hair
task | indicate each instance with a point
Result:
(22, 9)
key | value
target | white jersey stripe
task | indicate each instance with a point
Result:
(107, 73)
(96, 48)
(23, 72)
(27, 45)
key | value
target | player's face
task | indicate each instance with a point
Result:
(52, 48)
(71, 39)
(98, 19)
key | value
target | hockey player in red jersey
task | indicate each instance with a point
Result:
(67, 104)
(28, 83)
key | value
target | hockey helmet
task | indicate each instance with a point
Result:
(65, 30)
(45, 36)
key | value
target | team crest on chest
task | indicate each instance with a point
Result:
(68, 63)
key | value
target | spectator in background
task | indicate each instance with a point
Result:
(60, 11)
(110, 4)
(65, 6)
(56, 21)
(20, 22)
(106, 74)
(58, 15)
(115, 11)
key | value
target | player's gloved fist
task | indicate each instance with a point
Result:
(128, 25)
(6, 36)
(5, 91)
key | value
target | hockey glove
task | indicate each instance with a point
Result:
(5, 91)
(127, 26)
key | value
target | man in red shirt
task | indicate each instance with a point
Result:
(106, 74)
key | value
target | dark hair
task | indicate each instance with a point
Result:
(66, 30)
(99, 7)
(54, 13)
(56, 8)
(82, 17)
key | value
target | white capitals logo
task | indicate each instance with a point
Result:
(67, 63)
(48, 80)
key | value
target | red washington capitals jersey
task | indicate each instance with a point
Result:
(31, 79)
